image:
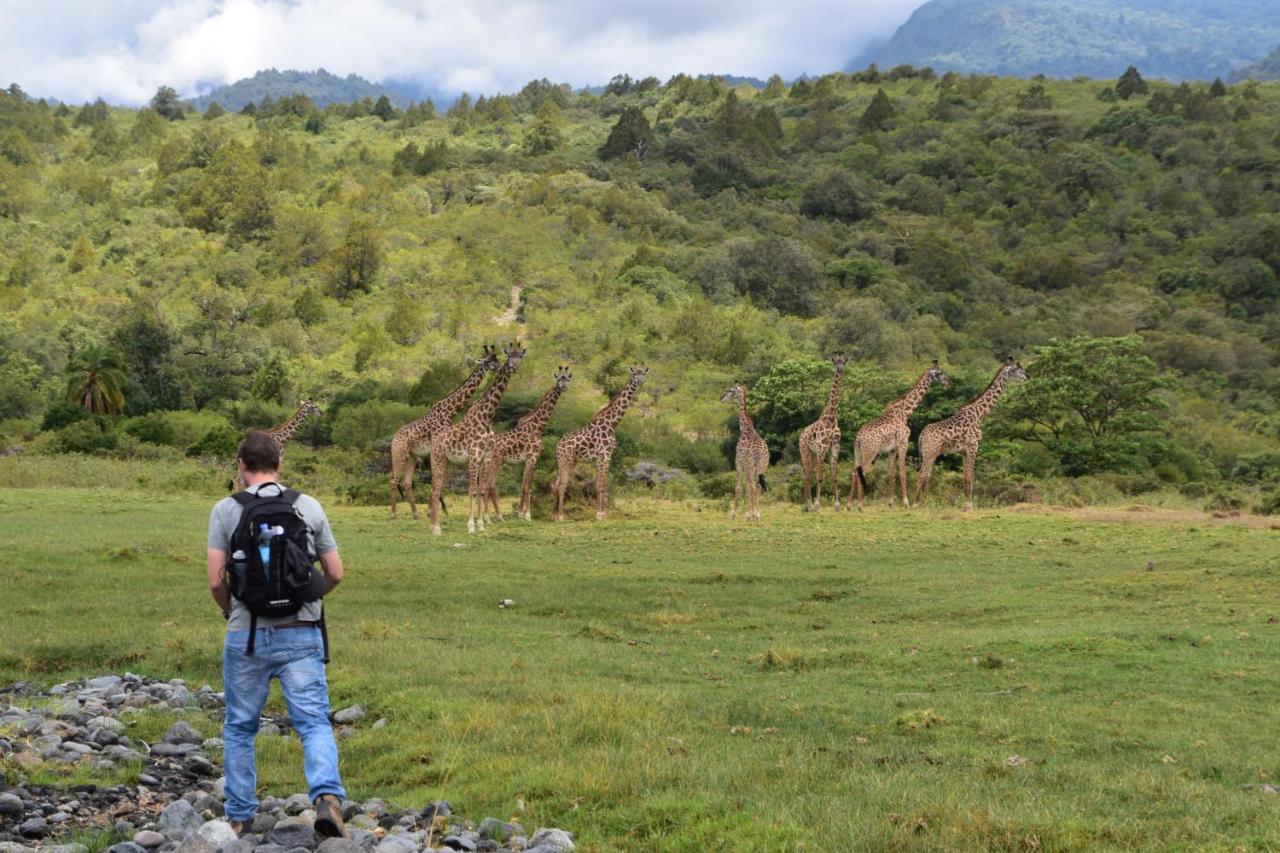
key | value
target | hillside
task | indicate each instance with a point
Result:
(322, 87)
(1266, 68)
(240, 263)
(1173, 39)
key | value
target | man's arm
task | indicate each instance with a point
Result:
(332, 564)
(218, 579)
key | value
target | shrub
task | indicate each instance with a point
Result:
(219, 442)
(62, 413)
(153, 428)
(1269, 504)
(365, 423)
(89, 436)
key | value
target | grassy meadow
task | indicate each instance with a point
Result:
(1013, 678)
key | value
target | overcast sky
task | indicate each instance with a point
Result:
(121, 50)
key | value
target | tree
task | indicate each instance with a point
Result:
(232, 195)
(383, 109)
(878, 113)
(1035, 98)
(95, 376)
(1218, 89)
(545, 134)
(632, 134)
(774, 88)
(834, 194)
(1092, 402)
(213, 111)
(152, 381)
(356, 261)
(1130, 84)
(82, 257)
(167, 105)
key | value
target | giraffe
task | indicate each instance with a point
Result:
(523, 443)
(889, 433)
(751, 458)
(595, 441)
(413, 440)
(962, 432)
(283, 433)
(470, 441)
(821, 438)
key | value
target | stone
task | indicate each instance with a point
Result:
(263, 823)
(201, 766)
(219, 788)
(28, 762)
(36, 827)
(126, 847)
(380, 723)
(268, 848)
(103, 682)
(338, 845)
(458, 842)
(487, 845)
(111, 724)
(361, 821)
(297, 804)
(104, 737)
(397, 844)
(364, 840)
(195, 844)
(66, 848)
(180, 815)
(148, 838)
(212, 743)
(183, 732)
(431, 811)
(174, 750)
(217, 833)
(292, 835)
(10, 805)
(59, 817)
(240, 845)
(490, 827)
(15, 847)
(349, 715)
(556, 839)
(148, 780)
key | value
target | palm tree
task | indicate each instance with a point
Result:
(94, 377)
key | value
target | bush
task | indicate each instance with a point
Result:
(219, 443)
(1269, 504)
(90, 436)
(153, 428)
(1257, 468)
(191, 427)
(61, 414)
(363, 424)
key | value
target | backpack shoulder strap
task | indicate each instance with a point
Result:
(244, 498)
(291, 495)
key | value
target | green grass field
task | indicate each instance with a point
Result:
(668, 680)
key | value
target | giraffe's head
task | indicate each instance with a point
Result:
(839, 361)
(731, 396)
(935, 374)
(1013, 370)
(514, 353)
(308, 408)
(562, 377)
(638, 373)
(488, 361)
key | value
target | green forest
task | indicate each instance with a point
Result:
(169, 278)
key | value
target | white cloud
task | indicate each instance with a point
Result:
(80, 49)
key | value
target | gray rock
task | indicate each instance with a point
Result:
(30, 725)
(380, 723)
(66, 848)
(219, 788)
(349, 715)
(263, 823)
(79, 748)
(148, 780)
(36, 827)
(10, 805)
(126, 847)
(556, 839)
(104, 737)
(111, 724)
(174, 750)
(201, 766)
(211, 743)
(459, 842)
(338, 845)
(15, 847)
(103, 682)
(297, 804)
(59, 817)
(149, 839)
(183, 732)
(240, 845)
(180, 815)
(488, 845)
(364, 840)
(124, 828)
(217, 833)
(397, 844)
(195, 844)
(293, 835)
(268, 848)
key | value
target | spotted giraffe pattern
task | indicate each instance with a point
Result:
(469, 442)
(889, 433)
(822, 438)
(413, 440)
(962, 432)
(523, 443)
(595, 442)
(282, 433)
(751, 458)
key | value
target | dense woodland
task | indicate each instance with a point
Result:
(169, 277)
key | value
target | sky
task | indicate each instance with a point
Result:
(123, 50)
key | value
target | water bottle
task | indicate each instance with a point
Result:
(265, 532)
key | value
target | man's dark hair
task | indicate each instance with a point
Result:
(259, 452)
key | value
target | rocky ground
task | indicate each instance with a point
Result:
(176, 805)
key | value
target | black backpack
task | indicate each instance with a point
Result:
(290, 577)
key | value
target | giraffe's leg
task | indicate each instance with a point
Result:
(927, 457)
(835, 484)
(564, 467)
(737, 493)
(475, 496)
(602, 474)
(406, 482)
(902, 472)
(860, 468)
(752, 478)
(526, 490)
(806, 464)
(970, 456)
(439, 476)
(492, 469)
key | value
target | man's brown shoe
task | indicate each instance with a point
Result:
(238, 827)
(329, 817)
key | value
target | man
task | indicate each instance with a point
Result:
(288, 648)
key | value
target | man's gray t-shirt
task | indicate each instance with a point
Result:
(222, 524)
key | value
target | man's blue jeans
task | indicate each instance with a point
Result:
(296, 657)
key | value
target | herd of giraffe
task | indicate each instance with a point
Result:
(471, 441)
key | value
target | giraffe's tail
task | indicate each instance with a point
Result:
(862, 479)
(764, 486)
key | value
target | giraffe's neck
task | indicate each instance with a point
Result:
(986, 401)
(285, 431)
(537, 419)
(907, 403)
(487, 405)
(833, 398)
(617, 407)
(746, 426)
(452, 404)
